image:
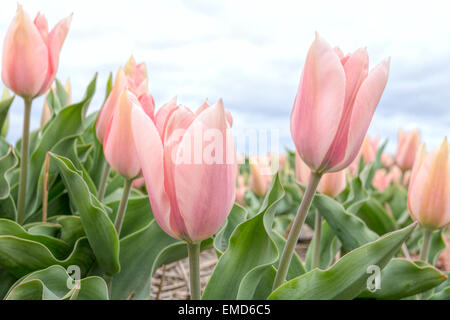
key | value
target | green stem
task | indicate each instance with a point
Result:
(317, 237)
(194, 269)
(123, 205)
(425, 245)
(103, 181)
(24, 162)
(295, 230)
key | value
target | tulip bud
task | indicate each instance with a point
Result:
(119, 146)
(429, 188)
(259, 178)
(408, 143)
(381, 180)
(335, 102)
(331, 184)
(31, 54)
(191, 185)
(387, 160)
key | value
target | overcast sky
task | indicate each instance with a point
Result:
(251, 54)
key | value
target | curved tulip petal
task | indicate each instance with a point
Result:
(42, 25)
(366, 101)
(205, 191)
(408, 143)
(56, 39)
(163, 114)
(176, 127)
(120, 149)
(319, 102)
(25, 56)
(331, 184)
(108, 109)
(148, 104)
(150, 152)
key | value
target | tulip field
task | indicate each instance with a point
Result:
(124, 200)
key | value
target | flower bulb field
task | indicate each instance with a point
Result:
(121, 195)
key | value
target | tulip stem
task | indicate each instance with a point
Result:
(425, 245)
(317, 238)
(103, 181)
(194, 269)
(122, 206)
(24, 162)
(294, 233)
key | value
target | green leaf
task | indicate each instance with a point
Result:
(6, 281)
(441, 295)
(350, 230)
(250, 246)
(356, 192)
(98, 227)
(21, 256)
(57, 247)
(138, 252)
(374, 215)
(347, 278)
(402, 278)
(329, 246)
(8, 162)
(5, 104)
(436, 247)
(237, 215)
(54, 283)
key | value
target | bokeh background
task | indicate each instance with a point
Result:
(251, 54)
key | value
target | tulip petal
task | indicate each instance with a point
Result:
(206, 190)
(366, 101)
(119, 148)
(25, 57)
(56, 39)
(108, 109)
(148, 104)
(163, 114)
(42, 25)
(176, 127)
(319, 102)
(150, 152)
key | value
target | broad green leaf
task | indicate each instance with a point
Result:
(138, 252)
(436, 247)
(347, 278)
(441, 295)
(356, 192)
(137, 216)
(329, 246)
(237, 215)
(402, 278)
(5, 104)
(57, 247)
(20, 256)
(250, 246)
(374, 215)
(98, 227)
(257, 284)
(6, 281)
(54, 283)
(350, 230)
(8, 162)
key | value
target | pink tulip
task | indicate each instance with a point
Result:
(387, 160)
(429, 188)
(336, 99)
(408, 144)
(260, 178)
(381, 180)
(31, 53)
(133, 78)
(331, 184)
(190, 195)
(138, 182)
(119, 147)
(106, 113)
